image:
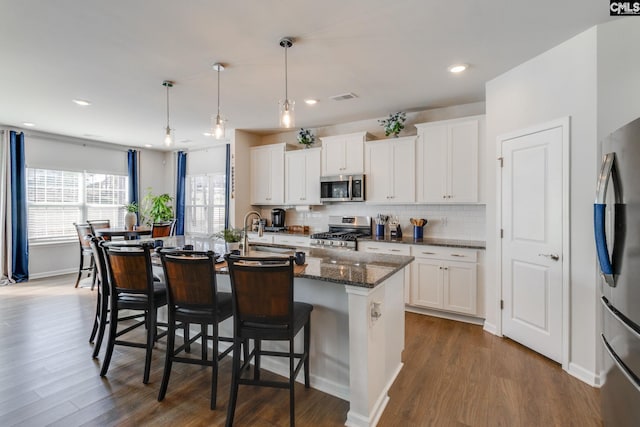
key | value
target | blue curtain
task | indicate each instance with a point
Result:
(132, 169)
(228, 189)
(181, 175)
(19, 241)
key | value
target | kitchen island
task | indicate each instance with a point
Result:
(357, 325)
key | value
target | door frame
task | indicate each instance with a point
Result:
(565, 124)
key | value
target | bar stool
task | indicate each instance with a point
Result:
(101, 318)
(132, 287)
(193, 299)
(84, 234)
(264, 309)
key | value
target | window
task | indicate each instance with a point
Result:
(56, 199)
(205, 204)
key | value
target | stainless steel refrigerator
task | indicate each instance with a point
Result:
(617, 235)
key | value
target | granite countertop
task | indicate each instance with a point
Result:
(432, 241)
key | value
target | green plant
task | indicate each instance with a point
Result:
(394, 124)
(155, 208)
(131, 207)
(305, 137)
(230, 235)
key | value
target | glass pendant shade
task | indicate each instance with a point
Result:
(287, 113)
(168, 133)
(168, 137)
(218, 127)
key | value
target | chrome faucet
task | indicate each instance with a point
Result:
(245, 239)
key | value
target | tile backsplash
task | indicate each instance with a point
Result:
(446, 221)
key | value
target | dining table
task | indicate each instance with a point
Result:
(134, 234)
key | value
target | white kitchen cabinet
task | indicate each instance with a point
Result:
(302, 177)
(390, 170)
(444, 279)
(295, 241)
(447, 160)
(267, 174)
(266, 238)
(343, 154)
(391, 249)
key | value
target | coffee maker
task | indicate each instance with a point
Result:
(277, 219)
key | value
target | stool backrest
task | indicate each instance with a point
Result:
(130, 269)
(190, 278)
(97, 224)
(262, 290)
(163, 229)
(100, 262)
(84, 234)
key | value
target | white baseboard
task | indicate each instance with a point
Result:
(491, 328)
(584, 375)
(53, 273)
(444, 315)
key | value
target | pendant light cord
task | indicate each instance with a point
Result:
(167, 106)
(218, 92)
(286, 93)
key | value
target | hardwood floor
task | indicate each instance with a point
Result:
(455, 374)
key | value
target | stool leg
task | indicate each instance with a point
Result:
(203, 332)
(187, 344)
(257, 347)
(151, 337)
(307, 345)
(95, 319)
(214, 370)
(80, 269)
(168, 360)
(233, 390)
(104, 310)
(113, 326)
(292, 383)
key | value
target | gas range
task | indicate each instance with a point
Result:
(343, 233)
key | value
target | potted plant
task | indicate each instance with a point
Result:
(231, 236)
(155, 208)
(305, 137)
(394, 124)
(131, 217)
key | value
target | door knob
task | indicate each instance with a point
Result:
(554, 257)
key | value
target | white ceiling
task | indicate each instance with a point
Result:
(393, 54)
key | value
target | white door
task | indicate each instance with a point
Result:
(532, 224)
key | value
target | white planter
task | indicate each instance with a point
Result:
(130, 220)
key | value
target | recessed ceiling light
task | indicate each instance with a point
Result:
(29, 124)
(148, 145)
(82, 102)
(458, 68)
(311, 101)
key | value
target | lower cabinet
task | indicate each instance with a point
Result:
(444, 279)
(298, 241)
(391, 249)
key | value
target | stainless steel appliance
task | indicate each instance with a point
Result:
(617, 234)
(277, 220)
(343, 233)
(342, 188)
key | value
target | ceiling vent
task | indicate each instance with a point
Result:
(344, 96)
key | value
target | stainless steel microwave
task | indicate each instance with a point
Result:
(342, 188)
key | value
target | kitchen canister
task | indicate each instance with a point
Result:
(418, 232)
(379, 230)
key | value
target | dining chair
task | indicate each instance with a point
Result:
(84, 234)
(132, 288)
(264, 309)
(163, 229)
(101, 318)
(193, 299)
(97, 224)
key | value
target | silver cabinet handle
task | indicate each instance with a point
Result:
(428, 253)
(554, 257)
(458, 255)
(394, 250)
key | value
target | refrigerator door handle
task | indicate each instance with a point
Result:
(599, 213)
(620, 364)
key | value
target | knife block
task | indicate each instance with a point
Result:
(396, 233)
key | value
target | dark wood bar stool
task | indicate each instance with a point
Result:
(101, 318)
(163, 229)
(97, 224)
(264, 309)
(193, 299)
(84, 234)
(132, 287)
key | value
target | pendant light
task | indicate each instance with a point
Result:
(287, 115)
(218, 121)
(168, 137)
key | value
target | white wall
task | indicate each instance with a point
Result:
(240, 198)
(561, 82)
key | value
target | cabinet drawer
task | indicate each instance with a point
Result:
(296, 241)
(254, 238)
(444, 253)
(384, 248)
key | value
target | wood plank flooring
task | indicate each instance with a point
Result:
(455, 374)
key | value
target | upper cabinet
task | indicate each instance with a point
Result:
(343, 154)
(390, 170)
(447, 160)
(302, 177)
(267, 174)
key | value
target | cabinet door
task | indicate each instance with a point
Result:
(404, 172)
(312, 177)
(333, 156)
(353, 155)
(433, 164)
(426, 283)
(276, 154)
(377, 167)
(260, 176)
(460, 287)
(463, 162)
(296, 177)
